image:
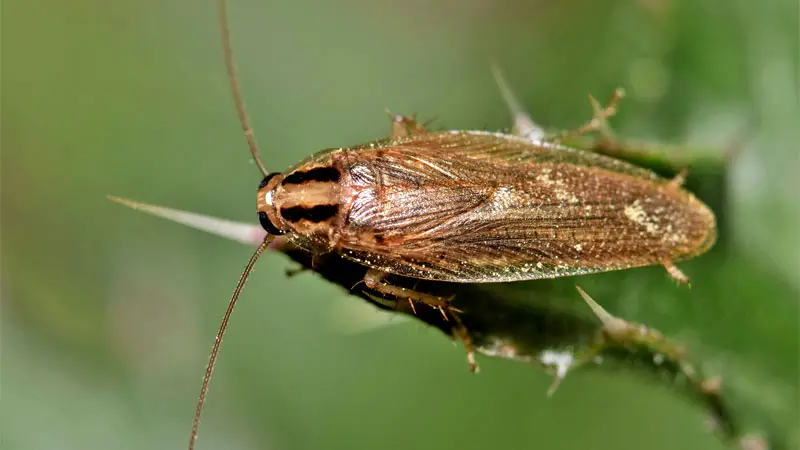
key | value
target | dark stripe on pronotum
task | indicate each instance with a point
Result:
(319, 213)
(316, 174)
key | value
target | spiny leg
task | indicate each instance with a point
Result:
(376, 280)
(315, 262)
(460, 332)
(675, 272)
(678, 180)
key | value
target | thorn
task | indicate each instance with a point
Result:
(237, 231)
(514, 106)
(611, 324)
(712, 385)
(597, 109)
(601, 115)
(554, 386)
(523, 124)
(599, 121)
(619, 94)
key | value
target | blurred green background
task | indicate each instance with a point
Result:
(107, 314)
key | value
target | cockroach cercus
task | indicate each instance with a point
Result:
(469, 207)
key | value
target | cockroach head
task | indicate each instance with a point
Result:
(265, 203)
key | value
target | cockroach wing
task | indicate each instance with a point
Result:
(500, 149)
(486, 207)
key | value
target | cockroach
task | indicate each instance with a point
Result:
(468, 207)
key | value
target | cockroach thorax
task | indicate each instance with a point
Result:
(305, 201)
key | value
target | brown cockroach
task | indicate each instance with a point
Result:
(469, 207)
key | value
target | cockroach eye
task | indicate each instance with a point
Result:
(267, 178)
(267, 225)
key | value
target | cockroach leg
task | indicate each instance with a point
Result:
(290, 273)
(460, 332)
(599, 120)
(679, 179)
(315, 262)
(376, 280)
(411, 304)
(405, 125)
(675, 273)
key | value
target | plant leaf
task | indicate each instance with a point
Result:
(546, 323)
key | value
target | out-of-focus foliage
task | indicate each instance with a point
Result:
(107, 315)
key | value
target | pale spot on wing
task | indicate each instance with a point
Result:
(637, 214)
(566, 196)
(555, 180)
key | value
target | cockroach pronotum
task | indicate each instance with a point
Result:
(469, 207)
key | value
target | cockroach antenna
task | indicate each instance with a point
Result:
(212, 358)
(236, 89)
(230, 65)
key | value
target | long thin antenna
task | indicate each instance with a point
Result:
(236, 89)
(212, 358)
